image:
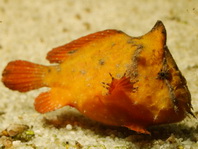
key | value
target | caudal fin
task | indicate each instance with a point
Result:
(24, 76)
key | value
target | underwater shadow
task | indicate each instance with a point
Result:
(76, 120)
(161, 132)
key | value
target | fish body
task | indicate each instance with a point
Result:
(109, 77)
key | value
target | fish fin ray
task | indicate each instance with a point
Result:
(123, 83)
(23, 75)
(59, 54)
(50, 101)
(137, 128)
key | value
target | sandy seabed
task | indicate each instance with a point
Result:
(29, 29)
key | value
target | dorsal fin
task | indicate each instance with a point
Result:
(59, 54)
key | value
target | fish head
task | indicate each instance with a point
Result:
(161, 85)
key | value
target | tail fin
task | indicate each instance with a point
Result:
(24, 76)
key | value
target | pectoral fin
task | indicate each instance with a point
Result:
(123, 84)
(138, 128)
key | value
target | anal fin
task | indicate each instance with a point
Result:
(51, 100)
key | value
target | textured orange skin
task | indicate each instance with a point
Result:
(112, 78)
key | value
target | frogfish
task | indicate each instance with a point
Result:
(109, 77)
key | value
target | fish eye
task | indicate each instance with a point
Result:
(164, 75)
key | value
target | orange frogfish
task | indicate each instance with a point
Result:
(110, 77)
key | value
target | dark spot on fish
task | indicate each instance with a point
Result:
(83, 72)
(101, 62)
(130, 41)
(113, 44)
(71, 52)
(49, 70)
(141, 60)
